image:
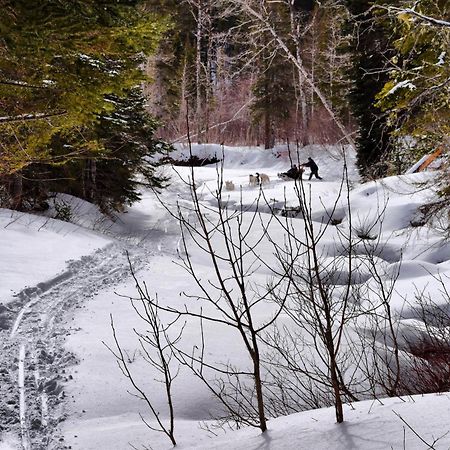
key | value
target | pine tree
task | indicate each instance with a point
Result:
(416, 96)
(369, 51)
(274, 88)
(59, 60)
(127, 164)
(273, 91)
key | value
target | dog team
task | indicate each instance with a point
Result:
(294, 173)
(253, 180)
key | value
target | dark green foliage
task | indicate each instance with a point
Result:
(303, 5)
(373, 142)
(61, 62)
(370, 50)
(63, 57)
(126, 163)
(175, 54)
(128, 135)
(274, 88)
(416, 96)
(273, 91)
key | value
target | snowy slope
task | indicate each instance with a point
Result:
(100, 414)
(34, 249)
(394, 423)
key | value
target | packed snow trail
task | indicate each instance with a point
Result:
(33, 357)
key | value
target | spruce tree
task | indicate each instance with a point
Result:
(274, 88)
(59, 61)
(416, 96)
(273, 91)
(128, 161)
(369, 50)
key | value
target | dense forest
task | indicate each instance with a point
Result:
(90, 89)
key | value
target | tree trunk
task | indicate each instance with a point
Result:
(313, 70)
(334, 375)
(15, 191)
(208, 82)
(259, 393)
(301, 97)
(89, 179)
(198, 69)
(268, 130)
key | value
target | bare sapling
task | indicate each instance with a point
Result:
(319, 312)
(378, 329)
(429, 369)
(156, 348)
(375, 345)
(230, 239)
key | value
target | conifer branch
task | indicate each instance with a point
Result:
(37, 116)
(23, 84)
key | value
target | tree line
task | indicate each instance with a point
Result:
(72, 114)
(86, 87)
(299, 72)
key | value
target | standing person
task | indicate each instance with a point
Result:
(314, 168)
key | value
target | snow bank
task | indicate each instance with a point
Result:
(79, 212)
(280, 157)
(103, 416)
(33, 249)
(369, 425)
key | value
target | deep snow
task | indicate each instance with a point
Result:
(97, 410)
(36, 248)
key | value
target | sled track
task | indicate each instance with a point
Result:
(33, 360)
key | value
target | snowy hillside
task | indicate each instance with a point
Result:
(62, 284)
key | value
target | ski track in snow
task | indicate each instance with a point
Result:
(33, 358)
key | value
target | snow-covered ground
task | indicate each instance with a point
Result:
(60, 386)
(51, 242)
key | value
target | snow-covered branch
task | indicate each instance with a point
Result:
(37, 116)
(411, 11)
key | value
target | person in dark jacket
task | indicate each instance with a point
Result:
(314, 169)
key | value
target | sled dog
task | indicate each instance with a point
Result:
(229, 186)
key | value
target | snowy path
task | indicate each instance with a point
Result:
(33, 358)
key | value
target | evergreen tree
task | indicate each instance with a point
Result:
(273, 91)
(59, 61)
(370, 50)
(416, 97)
(127, 135)
(274, 88)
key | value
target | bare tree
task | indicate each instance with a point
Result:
(319, 312)
(429, 343)
(259, 13)
(231, 239)
(156, 347)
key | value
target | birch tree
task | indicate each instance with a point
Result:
(259, 13)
